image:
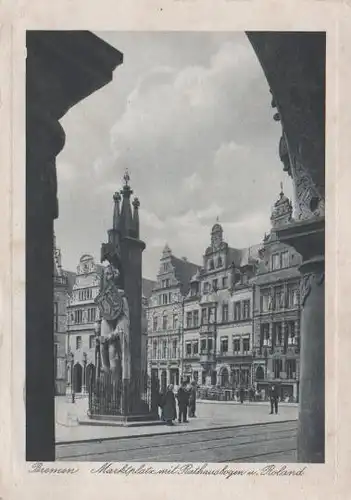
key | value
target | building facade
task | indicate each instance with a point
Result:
(277, 311)
(82, 315)
(218, 316)
(62, 289)
(236, 322)
(165, 318)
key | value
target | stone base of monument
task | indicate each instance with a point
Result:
(122, 420)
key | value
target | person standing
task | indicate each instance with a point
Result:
(183, 401)
(273, 396)
(242, 395)
(192, 400)
(169, 412)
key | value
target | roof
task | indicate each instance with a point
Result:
(147, 287)
(242, 256)
(184, 271)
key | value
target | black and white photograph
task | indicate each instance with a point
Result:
(175, 246)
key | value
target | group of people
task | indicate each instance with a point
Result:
(186, 397)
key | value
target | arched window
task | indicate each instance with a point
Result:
(224, 377)
(259, 373)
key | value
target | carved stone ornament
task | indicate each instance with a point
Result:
(306, 284)
(308, 202)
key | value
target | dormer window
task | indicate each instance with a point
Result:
(210, 265)
(219, 262)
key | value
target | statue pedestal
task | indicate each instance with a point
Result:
(119, 402)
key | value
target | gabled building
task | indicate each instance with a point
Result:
(277, 310)
(218, 316)
(165, 318)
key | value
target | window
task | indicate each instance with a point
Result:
(225, 282)
(188, 348)
(279, 298)
(203, 345)
(78, 316)
(246, 345)
(194, 289)
(236, 346)
(91, 341)
(164, 322)
(196, 318)
(174, 348)
(91, 314)
(219, 262)
(204, 316)
(164, 298)
(237, 311)
(209, 344)
(225, 313)
(170, 297)
(265, 302)
(175, 321)
(284, 259)
(189, 317)
(212, 315)
(55, 316)
(210, 265)
(246, 309)
(206, 287)
(196, 375)
(278, 334)
(159, 299)
(154, 350)
(291, 332)
(196, 347)
(275, 261)
(265, 334)
(291, 368)
(78, 342)
(214, 285)
(155, 323)
(277, 367)
(164, 349)
(224, 345)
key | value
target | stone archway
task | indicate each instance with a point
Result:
(77, 378)
(90, 376)
(294, 66)
(224, 377)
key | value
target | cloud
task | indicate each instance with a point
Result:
(189, 115)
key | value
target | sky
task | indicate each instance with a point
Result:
(189, 114)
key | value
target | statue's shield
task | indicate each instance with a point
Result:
(110, 303)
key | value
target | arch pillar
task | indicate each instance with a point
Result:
(62, 68)
(294, 65)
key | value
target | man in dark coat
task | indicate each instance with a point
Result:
(169, 406)
(192, 400)
(183, 401)
(242, 395)
(273, 396)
